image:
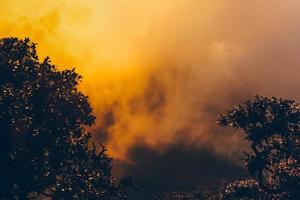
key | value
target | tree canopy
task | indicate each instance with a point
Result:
(44, 144)
(272, 125)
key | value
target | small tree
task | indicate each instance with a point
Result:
(43, 138)
(272, 126)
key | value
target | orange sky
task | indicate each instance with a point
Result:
(164, 69)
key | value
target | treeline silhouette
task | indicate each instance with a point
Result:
(46, 152)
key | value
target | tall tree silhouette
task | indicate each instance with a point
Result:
(272, 125)
(44, 145)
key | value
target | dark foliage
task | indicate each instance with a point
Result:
(44, 145)
(181, 196)
(272, 126)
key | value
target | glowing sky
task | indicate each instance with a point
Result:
(159, 71)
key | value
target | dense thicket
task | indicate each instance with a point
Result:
(272, 126)
(44, 145)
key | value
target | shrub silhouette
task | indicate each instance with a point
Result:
(44, 145)
(272, 126)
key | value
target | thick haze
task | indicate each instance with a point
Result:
(158, 72)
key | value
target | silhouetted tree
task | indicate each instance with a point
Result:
(44, 145)
(272, 126)
(244, 189)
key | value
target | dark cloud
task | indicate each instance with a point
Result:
(108, 119)
(178, 168)
(154, 95)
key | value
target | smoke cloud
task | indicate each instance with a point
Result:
(159, 72)
(178, 168)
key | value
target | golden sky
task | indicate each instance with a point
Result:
(159, 71)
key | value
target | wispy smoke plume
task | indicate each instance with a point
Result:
(158, 72)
